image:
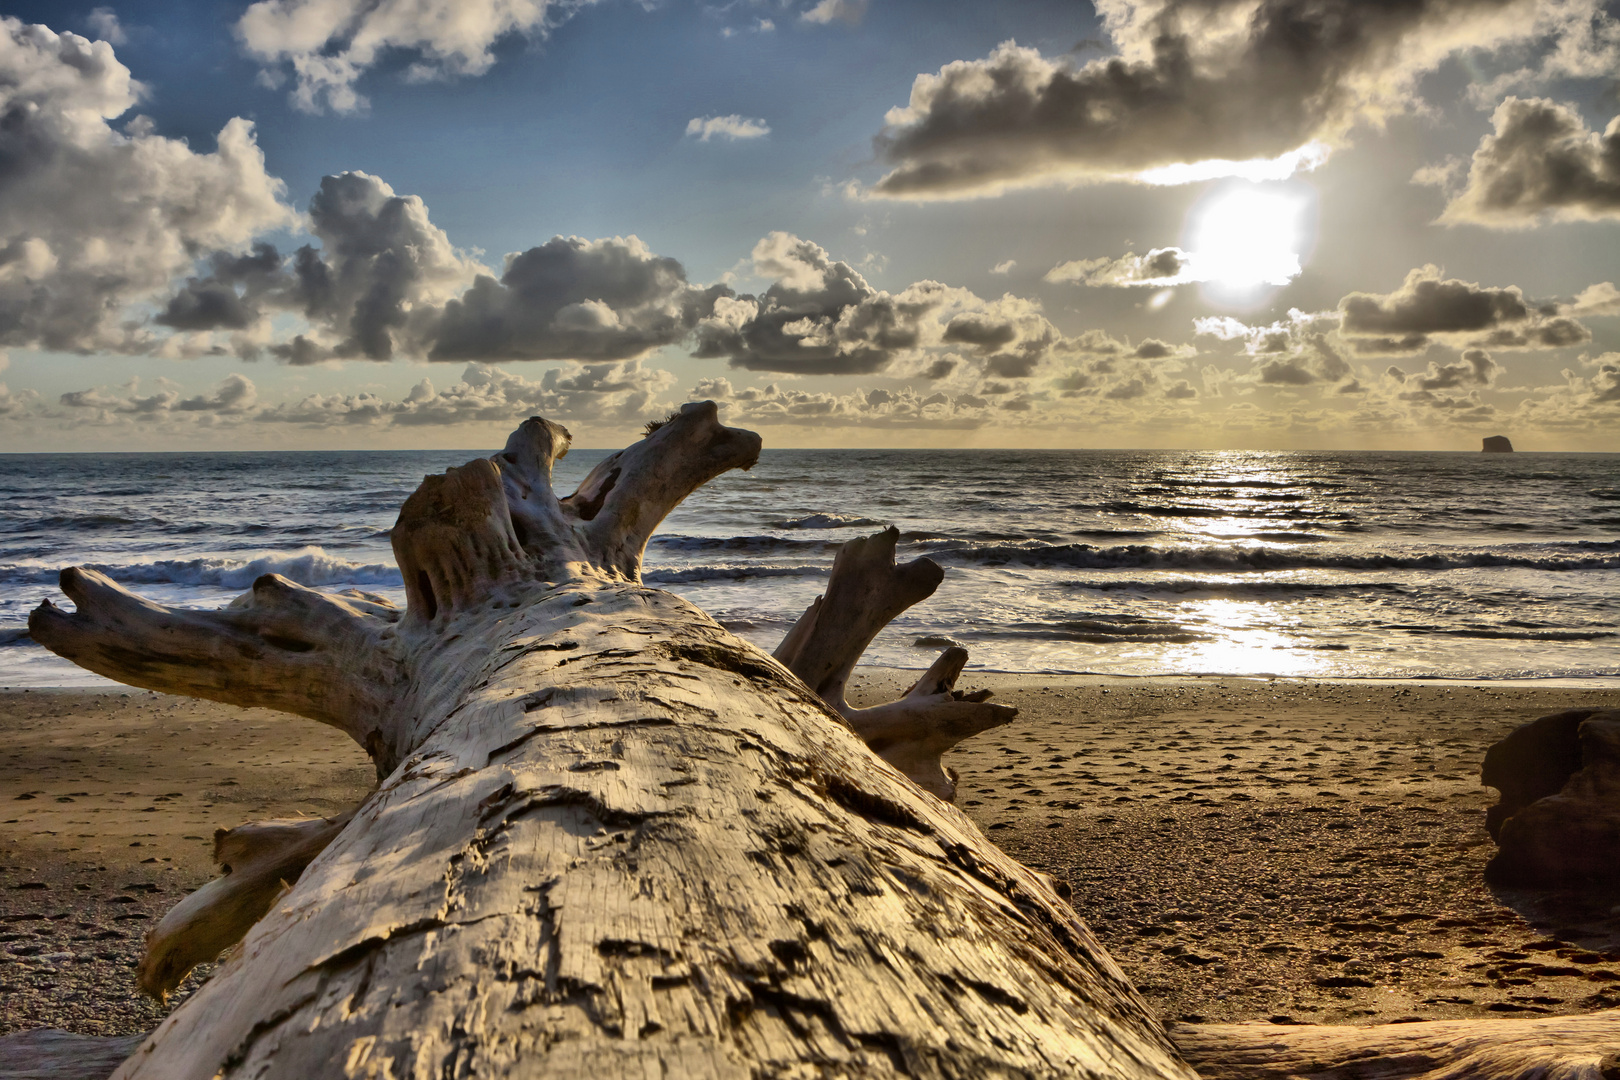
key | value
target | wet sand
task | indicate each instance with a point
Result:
(1246, 849)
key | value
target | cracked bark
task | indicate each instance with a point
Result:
(611, 839)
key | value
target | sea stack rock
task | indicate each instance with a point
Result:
(1558, 821)
(1497, 444)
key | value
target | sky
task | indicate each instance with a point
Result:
(1247, 224)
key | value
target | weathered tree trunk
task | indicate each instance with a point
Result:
(611, 839)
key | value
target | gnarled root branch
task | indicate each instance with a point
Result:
(1548, 1048)
(260, 861)
(278, 646)
(913, 732)
(866, 591)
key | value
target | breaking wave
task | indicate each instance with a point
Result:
(307, 566)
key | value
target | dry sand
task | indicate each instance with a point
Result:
(1246, 849)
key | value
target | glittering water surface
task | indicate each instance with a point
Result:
(1126, 562)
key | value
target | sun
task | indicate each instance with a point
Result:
(1245, 237)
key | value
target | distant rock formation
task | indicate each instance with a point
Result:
(1558, 821)
(1497, 444)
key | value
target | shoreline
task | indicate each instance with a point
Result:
(1246, 848)
(1551, 682)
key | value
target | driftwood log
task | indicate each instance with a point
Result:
(610, 839)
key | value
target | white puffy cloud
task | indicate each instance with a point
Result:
(1600, 299)
(1540, 162)
(830, 11)
(1199, 88)
(818, 317)
(16, 403)
(104, 21)
(94, 220)
(733, 127)
(329, 44)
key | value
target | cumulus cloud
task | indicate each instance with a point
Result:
(821, 317)
(574, 299)
(1198, 88)
(1600, 299)
(93, 219)
(329, 44)
(907, 408)
(374, 285)
(620, 391)
(1005, 267)
(233, 396)
(830, 11)
(1541, 162)
(1295, 351)
(733, 127)
(104, 21)
(818, 317)
(1158, 268)
(1605, 383)
(386, 281)
(1429, 306)
(17, 403)
(1451, 389)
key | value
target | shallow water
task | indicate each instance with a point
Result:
(1322, 565)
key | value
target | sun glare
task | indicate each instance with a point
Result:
(1243, 238)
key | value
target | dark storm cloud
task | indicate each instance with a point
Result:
(1540, 162)
(1194, 81)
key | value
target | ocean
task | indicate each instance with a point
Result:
(1295, 564)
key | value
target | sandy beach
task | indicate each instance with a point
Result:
(1246, 849)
